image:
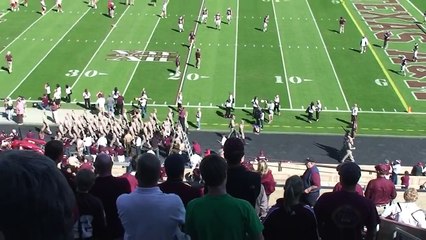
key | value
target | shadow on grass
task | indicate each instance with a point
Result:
(394, 71)
(355, 50)
(344, 121)
(250, 121)
(302, 117)
(333, 30)
(220, 114)
(258, 29)
(192, 124)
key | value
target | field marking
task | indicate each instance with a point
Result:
(328, 56)
(99, 48)
(282, 55)
(414, 6)
(47, 54)
(373, 51)
(236, 53)
(189, 53)
(144, 50)
(28, 28)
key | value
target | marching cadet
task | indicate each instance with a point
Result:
(318, 109)
(404, 66)
(177, 63)
(217, 20)
(310, 111)
(277, 105)
(228, 15)
(265, 23)
(9, 59)
(363, 44)
(197, 58)
(342, 23)
(204, 15)
(198, 118)
(180, 23)
(415, 52)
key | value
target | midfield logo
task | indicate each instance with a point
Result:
(137, 56)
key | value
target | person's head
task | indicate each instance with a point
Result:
(233, 150)
(349, 173)
(293, 190)
(213, 170)
(406, 173)
(411, 195)
(175, 166)
(103, 164)
(148, 170)
(54, 149)
(262, 167)
(84, 180)
(309, 162)
(382, 169)
(36, 201)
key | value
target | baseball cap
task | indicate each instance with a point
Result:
(310, 160)
(349, 172)
(382, 168)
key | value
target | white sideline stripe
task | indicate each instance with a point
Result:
(137, 64)
(189, 52)
(282, 55)
(328, 56)
(414, 6)
(236, 52)
(47, 54)
(26, 30)
(7, 12)
(99, 48)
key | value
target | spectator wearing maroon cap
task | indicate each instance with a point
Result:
(108, 188)
(339, 187)
(175, 167)
(344, 214)
(131, 175)
(312, 182)
(290, 218)
(381, 190)
(241, 183)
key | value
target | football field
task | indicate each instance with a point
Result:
(301, 57)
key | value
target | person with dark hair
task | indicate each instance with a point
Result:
(91, 222)
(175, 168)
(339, 187)
(148, 213)
(54, 149)
(312, 182)
(218, 215)
(290, 218)
(35, 202)
(345, 214)
(241, 183)
(108, 188)
(130, 176)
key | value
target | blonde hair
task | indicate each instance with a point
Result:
(411, 195)
(262, 167)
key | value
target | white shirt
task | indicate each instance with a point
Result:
(47, 88)
(57, 93)
(68, 90)
(87, 141)
(355, 111)
(364, 41)
(100, 102)
(406, 212)
(138, 141)
(86, 95)
(195, 160)
(102, 141)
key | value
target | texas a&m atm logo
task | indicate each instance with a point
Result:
(137, 56)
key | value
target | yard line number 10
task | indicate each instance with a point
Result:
(292, 79)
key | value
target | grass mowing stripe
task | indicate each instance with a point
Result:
(137, 64)
(26, 30)
(282, 55)
(47, 54)
(398, 93)
(328, 55)
(236, 50)
(182, 79)
(99, 48)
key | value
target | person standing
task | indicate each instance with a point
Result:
(204, 15)
(271, 106)
(311, 182)
(347, 148)
(20, 111)
(386, 37)
(179, 100)
(57, 94)
(396, 169)
(191, 40)
(218, 20)
(110, 101)
(48, 91)
(86, 97)
(310, 111)
(119, 105)
(228, 15)
(180, 23)
(181, 118)
(100, 102)
(163, 9)
(404, 61)
(9, 61)
(54, 108)
(198, 118)
(177, 63)
(318, 109)
(8, 106)
(198, 58)
(342, 23)
(363, 44)
(277, 105)
(415, 52)
(354, 113)
(228, 108)
(265, 23)
(68, 92)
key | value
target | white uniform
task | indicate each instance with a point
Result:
(204, 16)
(218, 20)
(364, 44)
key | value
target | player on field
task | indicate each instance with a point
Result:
(130, 2)
(181, 21)
(191, 39)
(59, 6)
(204, 15)
(415, 52)
(386, 37)
(229, 15)
(111, 8)
(277, 105)
(14, 5)
(93, 4)
(197, 58)
(217, 20)
(177, 62)
(363, 44)
(164, 9)
(342, 23)
(424, 17)
(43, 7)
(26, 3)
(9, 59)
(404, 66)
(265, 23)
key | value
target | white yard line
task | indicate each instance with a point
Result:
(137, 64)
(189, 52)
(236, 51)
(414, 6)
(47, 54)
(282, 56)
(7, 12)
(26, 30)
(328, 56)
(99, 48)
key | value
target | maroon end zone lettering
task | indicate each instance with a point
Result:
(420, 95)
(395, 56)
(405, 37)
(418, 71)
(395, 8)
(415, 84)
(397, 15)
(391, 26)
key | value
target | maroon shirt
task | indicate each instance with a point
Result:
(93, 149)
(268, 183)
(131, 179)
(120, 100)
(9, 58)
(183, 190)
(380, 190)
(358, 189)
(405, 181)
(30, 135)
(197, 54)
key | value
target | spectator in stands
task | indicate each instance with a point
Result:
(339, 187)
(148, 213)
(407, 212)
(405, 180)
(91, 223)
(8, 108)
(344, 214)
(130, 176)
(381, 190)
(241, 183)
(175, 168)
(108, 189)
(417, 169)
(20, 110)
(312, 182)
(267, 179)
(290, 218)
(35, 202)
(218, 215)
(54, 149)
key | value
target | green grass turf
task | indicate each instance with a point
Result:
(300, 57)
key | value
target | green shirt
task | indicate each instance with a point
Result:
(222, 217)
